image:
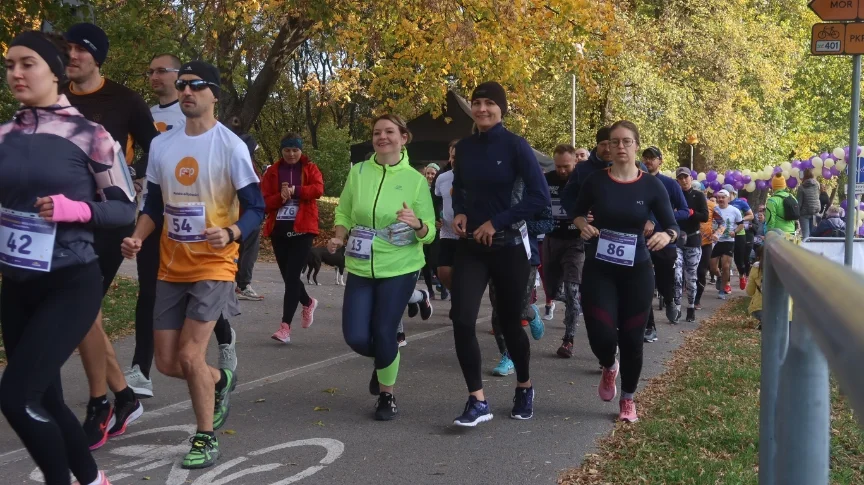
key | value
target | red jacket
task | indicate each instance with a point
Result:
(308, 192)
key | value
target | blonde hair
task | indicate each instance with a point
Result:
(396, 120)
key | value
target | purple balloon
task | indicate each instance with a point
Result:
(806, 165)
(861, 207)
(796, 164)
(826, 173)
(792, 182)
(860, 149)
(738, 185)
(711, 176)
(777, 169)
(747, 179)
(761, 185)
(824, 155)
(834, 170)
(844, 204)
(693, 174)
(861, 231)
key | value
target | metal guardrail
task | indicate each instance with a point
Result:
(827, 331)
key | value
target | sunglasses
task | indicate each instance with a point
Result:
(194, 84)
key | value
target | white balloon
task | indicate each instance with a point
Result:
(751, 187)
(747, 171)
(785, 174)
(701, 176)
(721, 179)
(817, 163)
(786, 166)
(767, 169)
(829, 163)
(841, 165)
(795, 172)
(839, 153)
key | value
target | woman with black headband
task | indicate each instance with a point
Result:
(291, 188)
(52, 161)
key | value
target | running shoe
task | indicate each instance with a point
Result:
(673, 312)
(691, 314)
(425, 306)
(308, 313)
(660, 302)
(565, 351)
(102, 479)
(204, 452)
(124, 414)
(712, 279)
(550, 312)
(524, 324)
(374, 385)
(228, 353)
(223, 400)
(413, 310)
(728, 289)
(721, 295)
(401, 340)
(445, 294)
(742, 282)
(718, 284)
(385, 408)
(283, 334)
(248, 294)
(96, 425)
(505, 366)
(523, 403)
(650, 335)
(140, 385)
(537, 326)
(475, 412)
(606, 389)
(628, 411)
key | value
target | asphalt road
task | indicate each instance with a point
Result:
(301, 412)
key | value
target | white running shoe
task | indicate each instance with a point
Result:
(228, 353)
(140, 385)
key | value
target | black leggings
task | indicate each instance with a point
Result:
(430, 254)
(742, 254)
(702, 271)
(147, 261)
(508, 269)
(291, 254)
(43, 321)
(615, 302)
(664, 267)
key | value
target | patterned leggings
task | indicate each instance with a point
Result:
(686, 265)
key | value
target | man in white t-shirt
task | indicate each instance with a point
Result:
(167, 115)
(728, 221)
(198, 178)
(448, 238)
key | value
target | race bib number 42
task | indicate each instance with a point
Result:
(360, 244)
(186, 223)
(26, 240)
(617, 247)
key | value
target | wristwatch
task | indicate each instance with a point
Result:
(230, 234)
(421, 225)
(672, 234)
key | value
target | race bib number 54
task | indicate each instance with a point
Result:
(616, 247)
(186, 223)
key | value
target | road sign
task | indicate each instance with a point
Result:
(836, 9)
(854, 39)
(859, 179)
(828, 39)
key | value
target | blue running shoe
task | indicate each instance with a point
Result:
(476, 412)
(523, 403)
(537, 327)
(505, 367)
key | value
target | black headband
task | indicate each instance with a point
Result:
(46, 50)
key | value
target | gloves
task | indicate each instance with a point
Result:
(66, 210)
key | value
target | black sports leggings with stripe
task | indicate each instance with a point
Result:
(43, 321)
(615, 302)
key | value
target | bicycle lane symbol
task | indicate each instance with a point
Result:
(152, 457)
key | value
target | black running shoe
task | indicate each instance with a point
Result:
(96, 425)
(374, 387)
(385, 410)
(691, 314)
(650, 334)
(425, 306)
(124, 414)
(413, 309)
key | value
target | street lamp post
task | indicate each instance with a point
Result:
(692, 139)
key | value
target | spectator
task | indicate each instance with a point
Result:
(776, 216)
(832, 225)
(808, 198)
(824, 200)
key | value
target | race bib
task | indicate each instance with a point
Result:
(26, 240)
(523, 231)
(288, 212)
(616, 247)
(360, 244)
(558, 211)
(186, 223)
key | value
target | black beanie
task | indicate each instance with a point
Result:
(91, 38)
(46, 49)
(603, 134)
(493, 91)
(205, 71)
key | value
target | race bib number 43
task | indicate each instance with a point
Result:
(617, 247)
(360, 244)
(26, 240)
(186, 223)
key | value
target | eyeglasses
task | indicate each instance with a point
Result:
(625, 142)
(160, 71)
(194, 84)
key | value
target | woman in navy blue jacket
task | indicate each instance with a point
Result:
(497, 186)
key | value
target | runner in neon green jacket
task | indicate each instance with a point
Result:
(375, 190)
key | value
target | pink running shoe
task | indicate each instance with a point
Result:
(628, 411)
(284, 334)
(102, 480)
(308, 313)
(607, 389)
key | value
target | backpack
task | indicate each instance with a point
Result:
(791, 209)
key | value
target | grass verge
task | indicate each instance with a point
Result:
(699, 421)
(118, 309)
